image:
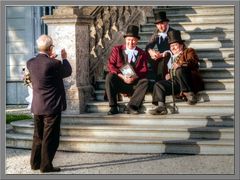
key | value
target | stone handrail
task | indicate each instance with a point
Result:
(107, 29)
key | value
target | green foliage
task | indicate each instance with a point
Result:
(16, 117)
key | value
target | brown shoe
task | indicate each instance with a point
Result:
(35, 168)
(191, 98)
(132, 110)
(160, 110)
(53, 169)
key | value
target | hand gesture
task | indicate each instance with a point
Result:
(64, 54)
(167, 76)
(175, 66)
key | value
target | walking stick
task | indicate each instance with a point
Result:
(171, 77)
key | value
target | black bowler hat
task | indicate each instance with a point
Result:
(174, 36)
(132, 31)
(160, 17)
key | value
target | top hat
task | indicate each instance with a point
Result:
(132, 31)
(174, 36)
(160, 17)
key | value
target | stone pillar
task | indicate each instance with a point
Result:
(70, 30)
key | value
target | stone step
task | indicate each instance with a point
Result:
(208, 34)
(219, 53)
(163, 131)
(207, 120)
(214, 107)
(130, 144)
(191, 26)
(195, 18)
(217, 73)
(198, 43)
(216, 63)
(202, 96)
(200, 10)
(219, 84)
(210, 84)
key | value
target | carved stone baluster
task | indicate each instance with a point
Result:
(99, 28)
(121, 20)
(106, 21)
(113, 12)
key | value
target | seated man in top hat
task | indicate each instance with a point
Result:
(185, 75)
(127, 67)
(157, 59)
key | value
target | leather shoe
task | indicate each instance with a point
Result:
(53, 169)
(113, 110)
(160, 110)
(35, 168)
(191, 98)
(132, 110)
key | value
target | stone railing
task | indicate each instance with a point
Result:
(107, 30)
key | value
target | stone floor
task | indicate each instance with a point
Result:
(17, 162)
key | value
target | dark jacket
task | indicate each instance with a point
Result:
(47, 81)
(163, 46)
(190, 59)
(118, 58)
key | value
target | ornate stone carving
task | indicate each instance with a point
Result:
(113, 19)
(110, 24)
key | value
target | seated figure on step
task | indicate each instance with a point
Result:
(127, 66)
(157, 61)
(183, 77)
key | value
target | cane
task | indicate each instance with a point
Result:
(171, 76)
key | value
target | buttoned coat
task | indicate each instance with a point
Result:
(118, 58)
(47, 82)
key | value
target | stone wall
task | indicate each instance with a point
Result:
(70, 31)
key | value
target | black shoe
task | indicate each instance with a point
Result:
(113, 110)
(132, 110)
(160, 110)
(35, 168)
(191, 98)
(53, 169)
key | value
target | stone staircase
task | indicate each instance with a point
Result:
(205, 128)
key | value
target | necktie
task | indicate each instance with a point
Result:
(162, 35)
(131, 55)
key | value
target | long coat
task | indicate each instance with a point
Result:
(118, 58)
(47, 82)
(189, 58)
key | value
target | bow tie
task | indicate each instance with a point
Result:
(163, 35)
(131, 54)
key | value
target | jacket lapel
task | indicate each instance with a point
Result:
(124, 55)
(138, 56)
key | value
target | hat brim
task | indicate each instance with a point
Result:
(179, 41)
(130, 35)
(159, 21)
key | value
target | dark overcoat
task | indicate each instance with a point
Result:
(47, 82)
